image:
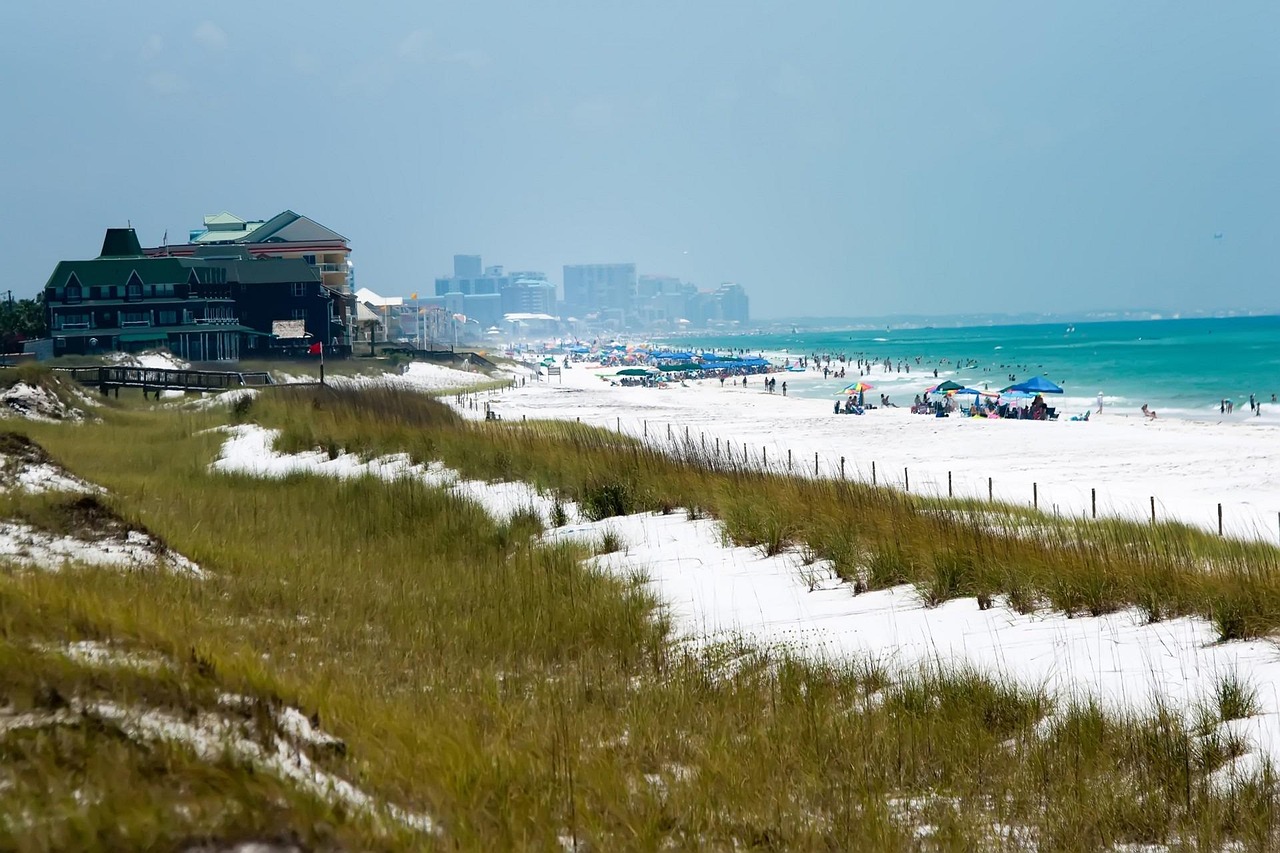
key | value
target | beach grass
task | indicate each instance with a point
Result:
(526, 700)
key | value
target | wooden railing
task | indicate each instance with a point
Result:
(164, 379)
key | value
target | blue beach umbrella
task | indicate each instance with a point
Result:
(1034, 385)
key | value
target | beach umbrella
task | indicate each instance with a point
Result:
(858, 387)
(1035, 385)
(944, 387)
(635, 371)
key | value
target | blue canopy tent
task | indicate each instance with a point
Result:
(1034, 385)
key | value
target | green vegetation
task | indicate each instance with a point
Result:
(519, 696)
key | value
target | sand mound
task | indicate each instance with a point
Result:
(36, 403)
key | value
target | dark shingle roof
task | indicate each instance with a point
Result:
(121, 243)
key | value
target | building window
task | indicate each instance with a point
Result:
(299, 288)
(135, 318)
(73, 321)
(133, 292)
(311, 259)
(168, 318)
(299, 313)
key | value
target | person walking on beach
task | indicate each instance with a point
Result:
(784, 389)
(1099, 402)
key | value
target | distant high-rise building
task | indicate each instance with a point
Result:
(592, 288)
(732, 299)
(466, 266)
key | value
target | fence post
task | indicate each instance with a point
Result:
(873, 473)
(1153, 509)
(841, 467)
(669, 436)
(745, 457)
(950, 494)
(646, 428)
(1219, 519)
(717, 445)
(815, 463)
(764, 456)
(906, 478)
(618, 424)
(1035, 495)
(991, 493)
(788, 458)
(1093, 500)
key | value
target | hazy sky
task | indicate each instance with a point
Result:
(833, 157)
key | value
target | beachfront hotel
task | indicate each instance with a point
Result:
(286, 235)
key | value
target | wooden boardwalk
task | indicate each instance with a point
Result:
(165, 379)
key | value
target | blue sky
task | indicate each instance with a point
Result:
(833, 157)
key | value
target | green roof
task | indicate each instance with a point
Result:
(121, 243)
(156, 333)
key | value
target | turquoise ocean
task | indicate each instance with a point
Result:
(1181, 367)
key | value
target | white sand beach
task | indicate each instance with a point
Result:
(1189, 467)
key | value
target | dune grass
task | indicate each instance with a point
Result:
(874, 537)
(525, 700)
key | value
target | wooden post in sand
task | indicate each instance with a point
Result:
(1035, 495)
(815, 463)
(646, 428)
(873, 473)
(618, 424)
(1093, 500)
(950, 493)
(764, 456)
(1153, 509)
(906, 479)
(788, 458)
(841, 467)
(990, 490)
(1219, 519)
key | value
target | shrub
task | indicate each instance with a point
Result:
(887, 567)
(1236, 698)
(610, 542)
(559, 518)
(606, 500)
(951, 576)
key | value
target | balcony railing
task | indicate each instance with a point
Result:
(331, 268)
(216, 321)
(128, 323)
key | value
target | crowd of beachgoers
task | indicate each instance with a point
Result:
(657, 367)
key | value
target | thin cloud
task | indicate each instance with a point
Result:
(153, 46)
(211, 35)
(415, 47)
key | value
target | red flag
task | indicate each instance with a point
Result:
(316, 349)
